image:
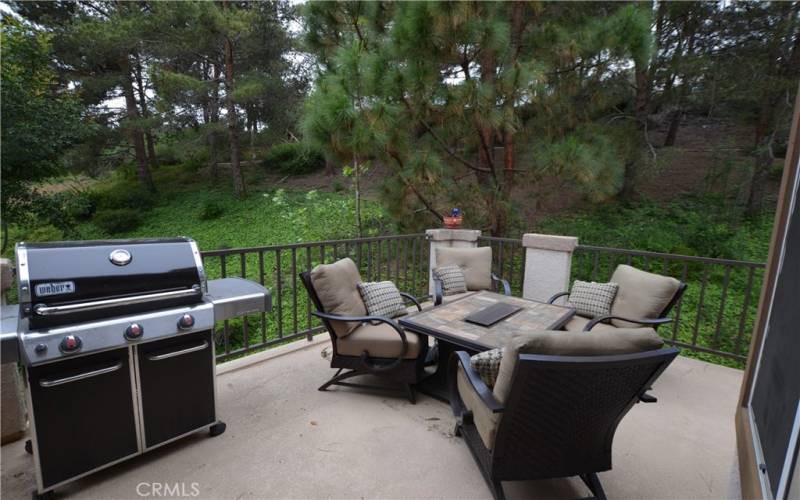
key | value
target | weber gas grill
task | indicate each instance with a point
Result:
(116, 339)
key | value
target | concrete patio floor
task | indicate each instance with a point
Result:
(285, 439)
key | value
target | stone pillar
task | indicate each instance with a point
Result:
(12, 409)
(451, 238)
(548, 260)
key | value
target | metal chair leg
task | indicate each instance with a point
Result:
(338, 378)
(593, 483)
(410, 393)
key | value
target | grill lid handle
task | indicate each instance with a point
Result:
(45, 310)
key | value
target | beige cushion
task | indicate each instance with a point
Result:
(380, 341)
(560, 343)
(485, 421)
(641, 295)
(475, 262)
(337, 288)
(576, 324)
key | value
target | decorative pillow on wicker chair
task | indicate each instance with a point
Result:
(452, 278)
(487, 365)
(592, 299)
(382, 298)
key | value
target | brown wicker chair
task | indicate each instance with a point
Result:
(401, 368)
(559, 418)
(643, 299)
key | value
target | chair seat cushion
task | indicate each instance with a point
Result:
(336, 286)
(485, 421)
(641, 295)
(452, 278)
(572, 343)
(576, 324)
(592, 299)
(487, 365)
(380, 341)
(476, 263)
(382, 298)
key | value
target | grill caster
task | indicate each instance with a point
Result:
(29, 447)
(47, 495)
(217, 429)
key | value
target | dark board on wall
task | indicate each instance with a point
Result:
(777, 388)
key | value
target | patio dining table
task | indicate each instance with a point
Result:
(449, 326)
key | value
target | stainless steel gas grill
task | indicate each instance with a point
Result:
(116, 338)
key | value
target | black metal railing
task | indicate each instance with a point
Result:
(715, 317)
(402, 259)
(713, 321)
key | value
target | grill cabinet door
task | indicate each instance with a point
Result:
(83, 414)
(177, 386)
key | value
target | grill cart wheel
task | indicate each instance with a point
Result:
(29, 447)
(217, 429)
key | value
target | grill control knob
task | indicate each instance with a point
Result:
(134, 331)
(186, 321)
(70, 343)
(40, 348)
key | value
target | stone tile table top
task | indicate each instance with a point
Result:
(446, 322)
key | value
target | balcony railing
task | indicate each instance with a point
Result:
(713, 321)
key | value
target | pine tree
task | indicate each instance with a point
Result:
(435, 89)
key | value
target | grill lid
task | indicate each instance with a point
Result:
(68, 282)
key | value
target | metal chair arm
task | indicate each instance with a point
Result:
(372, 320)
(497, 280)
(483, 391)
(554, 297)
(411, 298)
(643, 321)
(438, 291)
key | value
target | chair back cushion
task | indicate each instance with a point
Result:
(565, 343)
(382, 298)
(641, 295)
(452, 278)
(476, 263)
(592, 299)
(337, 289)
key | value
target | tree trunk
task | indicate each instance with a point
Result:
(151, 147)
(134, 132)
(213, 112)
(674, 124)
(233, 123)
(357, 179)
(761, 165)
(642, 103)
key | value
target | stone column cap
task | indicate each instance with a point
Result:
(549, 242)
(452, 234)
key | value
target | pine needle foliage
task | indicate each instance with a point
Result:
(465, 100)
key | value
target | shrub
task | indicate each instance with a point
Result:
(211, 210)
(123, 194)
(294, 158)
(117, 220)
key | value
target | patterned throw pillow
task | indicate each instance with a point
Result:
(487, 364)
(592, 299)
(452, 278)
(382, 299)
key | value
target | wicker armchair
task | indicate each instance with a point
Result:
(643, 299)
(477, 266)
(552, 416)
(367, 345)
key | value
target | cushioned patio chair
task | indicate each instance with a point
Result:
(554, 414)
(476, 264)
(363, 344)
(643, 299)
